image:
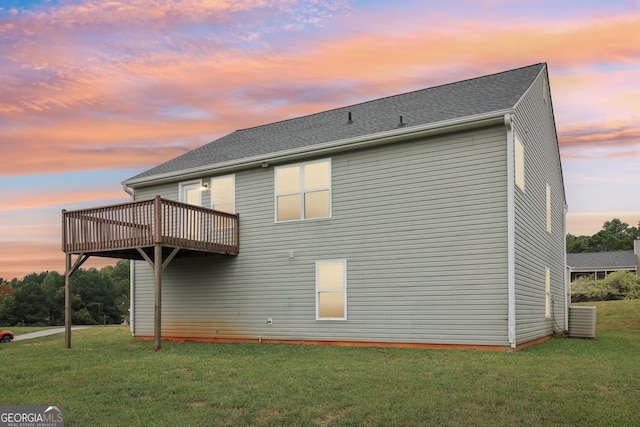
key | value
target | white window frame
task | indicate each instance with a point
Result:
(518, 170)
(302, 191)
(548, 203)
(191, 219)
(181, 187)
(344, 288)
(233, 192)
(547, 293)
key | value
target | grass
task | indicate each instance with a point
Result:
(108, 378)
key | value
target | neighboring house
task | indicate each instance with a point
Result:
(435, 217)
(600, 264)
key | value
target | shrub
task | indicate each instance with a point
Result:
(617, 285)
(82, 317)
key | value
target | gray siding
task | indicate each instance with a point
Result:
(421, 224)
(535, 248)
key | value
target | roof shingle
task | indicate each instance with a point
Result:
(602, 260)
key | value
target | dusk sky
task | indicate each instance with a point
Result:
(94, 92)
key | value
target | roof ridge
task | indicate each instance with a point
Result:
(391, 96)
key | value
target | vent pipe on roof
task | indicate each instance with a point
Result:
(401, 122)
(350, 121)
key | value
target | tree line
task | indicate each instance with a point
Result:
(615, 235)
(97, 297)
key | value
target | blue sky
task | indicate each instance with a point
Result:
(96, 92)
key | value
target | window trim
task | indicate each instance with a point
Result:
(344, 288)
(519, 166)
(233, 192)
(547, 293)
(548, 204)
(302, 192)
(181, 187)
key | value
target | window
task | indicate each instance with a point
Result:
(223, 194)
(519, 166)
(548, 209)
(547, 293)
(331, 290)
(190, 224)
(303, 191)
(191, 192)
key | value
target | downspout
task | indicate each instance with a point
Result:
(567, 271)
(128, 190)
(511, 234)
(132, 271)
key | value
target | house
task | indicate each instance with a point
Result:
(430, 218)
(600, 264)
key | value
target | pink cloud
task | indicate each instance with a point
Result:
(132, 15)
(614, 139)
(124, 89)
(597, 93)
(21, 200)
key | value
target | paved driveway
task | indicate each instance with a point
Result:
(46, 332)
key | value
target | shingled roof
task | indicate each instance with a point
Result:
(467, 98)
(602, 260)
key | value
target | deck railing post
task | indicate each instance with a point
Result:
(157, 208)
(64, 230)
(237, 242)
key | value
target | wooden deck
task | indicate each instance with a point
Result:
(121, 231)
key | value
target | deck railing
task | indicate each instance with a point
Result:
(149, 222)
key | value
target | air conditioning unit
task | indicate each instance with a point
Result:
(582, 322)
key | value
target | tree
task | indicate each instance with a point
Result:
(31, 305)
(614, 236)
(120, 276)
(7, 305)
(53, 290)
(6, 290)
(578, 244)
(96, 294)
(39, 299)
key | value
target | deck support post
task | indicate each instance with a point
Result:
(68, 271)
(157, 318)
(157, 268)
(67, 301)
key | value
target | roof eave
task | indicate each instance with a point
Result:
(390, 136)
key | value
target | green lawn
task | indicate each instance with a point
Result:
(110, 379)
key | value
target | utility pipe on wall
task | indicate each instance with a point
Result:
(511, 234)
